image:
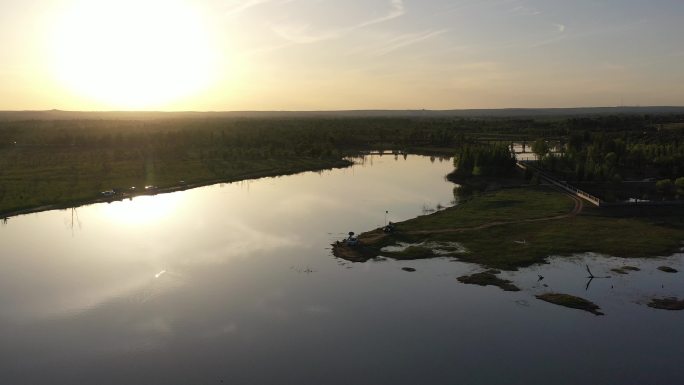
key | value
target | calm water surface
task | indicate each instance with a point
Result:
(236, 284)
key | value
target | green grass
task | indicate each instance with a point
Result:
(500, 206)
(410, 253)
(67, 178)
(509, 246)
(628, 238)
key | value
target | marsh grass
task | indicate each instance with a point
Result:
(502, 205)
(510, 246)
(667, 304)
(488, 278)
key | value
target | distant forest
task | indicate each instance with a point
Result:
(60, 161)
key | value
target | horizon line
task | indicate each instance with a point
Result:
(344, 110)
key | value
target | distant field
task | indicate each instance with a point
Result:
(67, 158)
(63, 162)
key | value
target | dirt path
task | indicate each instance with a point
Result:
(579, 206)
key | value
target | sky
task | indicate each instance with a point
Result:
(223, 55)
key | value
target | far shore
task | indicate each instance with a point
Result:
(170, 189)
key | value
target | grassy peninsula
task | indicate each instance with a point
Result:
(511, 223)
(520, 226)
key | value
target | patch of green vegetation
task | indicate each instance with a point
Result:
(624, 270)
(497, 247)
(410, 253)
(488, 278)
(667, 304)
(524, 237)
(500, 206)
(77, 180)
(570, 301)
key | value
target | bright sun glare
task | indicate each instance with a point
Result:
(133, 53)
(143, 210)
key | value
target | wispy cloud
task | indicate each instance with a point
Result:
(408, 39)
(509, 7)
(526, 11)
(304, 34)
(549, 41)
(563, 33)
(397, 9)
(559, 35)
(245, 5)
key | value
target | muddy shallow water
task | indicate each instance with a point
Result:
(236, 284)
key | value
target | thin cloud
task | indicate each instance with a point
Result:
(301, 33)
(247, 4)
(408, 40)
(560, 27)
(602, 31)
(525, 10)
(548, 41)
(397, 10)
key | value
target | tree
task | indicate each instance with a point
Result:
(679, 185)
(540, 148)
(489, 160)
(665, 187)
(464, 162)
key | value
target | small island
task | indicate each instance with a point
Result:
(570, 301)
(488, 278)
(667, 303)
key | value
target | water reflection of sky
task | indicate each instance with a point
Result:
(251, 294)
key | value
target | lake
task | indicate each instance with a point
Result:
(236, 284)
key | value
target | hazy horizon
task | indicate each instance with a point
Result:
(318, 55)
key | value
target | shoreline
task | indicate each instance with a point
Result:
(340, 164)
(502, 230)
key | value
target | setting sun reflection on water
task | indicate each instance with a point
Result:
(142, 210)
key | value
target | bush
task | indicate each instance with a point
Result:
(665, 187)
(679, 185)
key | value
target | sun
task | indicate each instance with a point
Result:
(133, 54)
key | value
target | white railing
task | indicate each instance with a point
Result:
(596, 201)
